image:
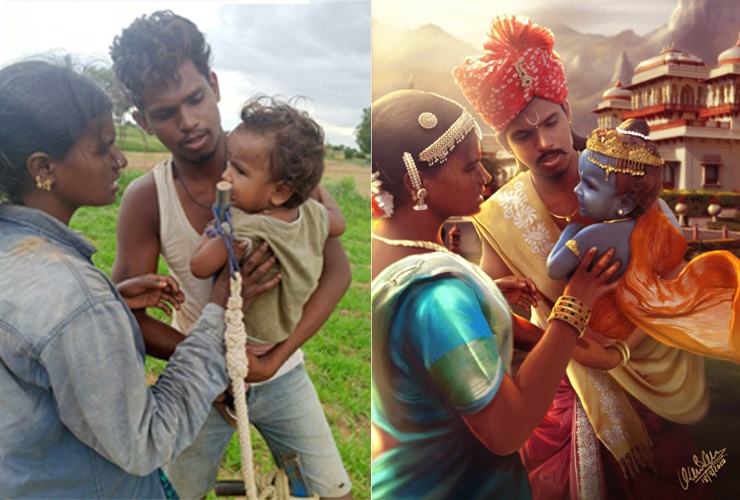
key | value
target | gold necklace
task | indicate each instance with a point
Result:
(612, 221)
(427, 245)
(566, 218)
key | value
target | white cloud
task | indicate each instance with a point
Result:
(318, 49)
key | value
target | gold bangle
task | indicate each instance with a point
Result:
(581, 327)
(624, 351)
(568, 300)
(572, 311)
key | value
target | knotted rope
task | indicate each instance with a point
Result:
(274, 485)
(235, 339)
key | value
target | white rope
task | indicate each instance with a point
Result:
(271, 485)
(237, 365)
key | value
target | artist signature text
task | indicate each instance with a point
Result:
(706, 468)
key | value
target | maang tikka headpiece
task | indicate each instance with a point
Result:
(437, 151)
(613, 155)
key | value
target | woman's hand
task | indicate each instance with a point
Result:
(519, 290)
(588, 285)
(152, 290)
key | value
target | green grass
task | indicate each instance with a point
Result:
(337, 357)
(132, 138)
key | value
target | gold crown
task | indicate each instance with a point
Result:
(614, 156)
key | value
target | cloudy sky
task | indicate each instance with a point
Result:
(469, 19)
(319, 49)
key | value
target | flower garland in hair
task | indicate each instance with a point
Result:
(382, 201)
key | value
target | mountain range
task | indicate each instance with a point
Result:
(424, 57)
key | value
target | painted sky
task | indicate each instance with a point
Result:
(319, 49)
(468, 19)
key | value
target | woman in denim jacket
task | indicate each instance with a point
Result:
(77, 419)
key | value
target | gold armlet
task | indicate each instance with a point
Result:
(573, 247)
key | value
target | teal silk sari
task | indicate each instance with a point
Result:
(442, 341)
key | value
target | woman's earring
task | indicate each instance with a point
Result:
(45, 184)
(620, 212)
(421, 193)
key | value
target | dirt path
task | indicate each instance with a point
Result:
(334, 169)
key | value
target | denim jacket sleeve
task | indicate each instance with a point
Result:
(98, 380)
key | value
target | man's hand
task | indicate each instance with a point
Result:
(152, 290)
(262, 367)
(519, 290)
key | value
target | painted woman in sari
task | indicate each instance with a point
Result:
(621, 177)
(448, 417)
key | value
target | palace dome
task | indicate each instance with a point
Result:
(731, 55)
(669, 55)
(617, 92)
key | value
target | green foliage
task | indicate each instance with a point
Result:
(337, 152)
(337, 357)
(106, 80)
(131, 138)
(362, 132)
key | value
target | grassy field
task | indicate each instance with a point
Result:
(337, 357)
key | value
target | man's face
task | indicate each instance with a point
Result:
(184, 115)
(540, 138)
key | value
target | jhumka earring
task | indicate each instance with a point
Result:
(421, 193)
(45, 184)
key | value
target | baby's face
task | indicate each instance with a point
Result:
(248, 170)
(596, 192)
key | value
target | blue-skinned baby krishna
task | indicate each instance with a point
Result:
(621, 179)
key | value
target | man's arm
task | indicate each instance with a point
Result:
(337, 223)
(334, 282)
(137, 253)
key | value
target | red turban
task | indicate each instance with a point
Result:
(519, 63)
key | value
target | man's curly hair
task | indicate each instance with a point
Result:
(298, 153)
(150, 51)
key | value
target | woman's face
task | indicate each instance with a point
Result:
(88, 175)
(457, 188)
(597, 193)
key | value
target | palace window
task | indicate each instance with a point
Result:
(669, 174)
(711, 164)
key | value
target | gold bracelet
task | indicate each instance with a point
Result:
(624, 351)
(572, 311)
(572, 301)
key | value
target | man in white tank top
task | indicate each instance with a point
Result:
(165, 211)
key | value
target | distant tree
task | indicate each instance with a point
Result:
(362, 132)
(106, 79)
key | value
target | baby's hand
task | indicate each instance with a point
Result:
(152, 290)
(519, 290)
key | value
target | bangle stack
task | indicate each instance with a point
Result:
(624, 351)
(572, 311)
